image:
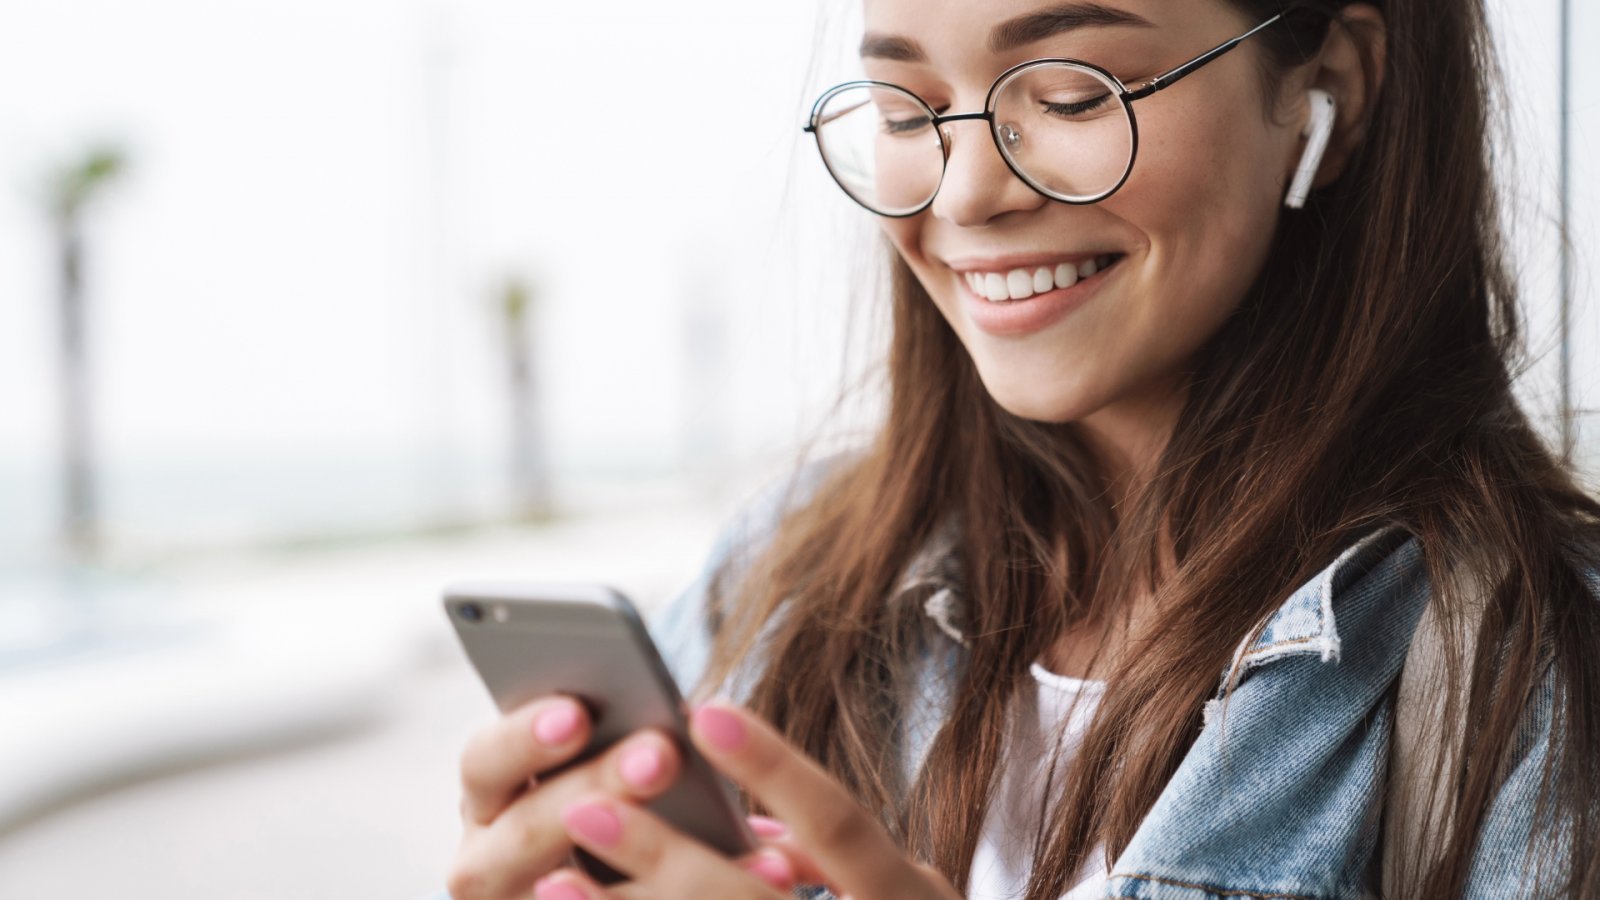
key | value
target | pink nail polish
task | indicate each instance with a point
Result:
(556, 890)
(641, 766)
(721, 727)
(773, 868)
(770, 829)
(593, 823)
(557, 725)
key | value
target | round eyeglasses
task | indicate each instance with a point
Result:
(1065, 127)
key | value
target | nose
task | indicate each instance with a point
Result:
(978, 186)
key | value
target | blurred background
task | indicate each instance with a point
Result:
(307, 308)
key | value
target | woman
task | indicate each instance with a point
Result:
(1124, 597)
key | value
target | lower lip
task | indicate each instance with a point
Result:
(1014, 318)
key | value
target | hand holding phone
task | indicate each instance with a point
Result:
(586, 643)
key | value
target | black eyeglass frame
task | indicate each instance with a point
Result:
(1124, 94)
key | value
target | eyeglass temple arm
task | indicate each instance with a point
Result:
(1167, 79)
(823, 120)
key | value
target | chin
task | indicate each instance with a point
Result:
(1048, 415)
(1028, 402)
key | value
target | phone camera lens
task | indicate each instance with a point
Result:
(472, 612)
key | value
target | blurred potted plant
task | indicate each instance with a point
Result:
(72, 190)
(529, 471)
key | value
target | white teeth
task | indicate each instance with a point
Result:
(994, 287)
(1020, 284)
(1043, 281)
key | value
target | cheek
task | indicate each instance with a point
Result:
(1204, 195)
(904, 235)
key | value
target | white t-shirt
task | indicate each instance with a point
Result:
(1037, 741)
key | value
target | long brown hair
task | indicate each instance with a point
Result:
(1365, 380)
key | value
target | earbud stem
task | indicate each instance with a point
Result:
(1319, 127)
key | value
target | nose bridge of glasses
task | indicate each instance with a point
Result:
(944, 133)
(941, 121)
(962, 117)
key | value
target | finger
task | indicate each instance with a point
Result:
(527, 840)
(501, 758)
(768, 829)
(849, 846)
(772, 865)
(802, 868)
(767, 864)
(661, 861)
(573, 884)
(569, 884)
(777, 836)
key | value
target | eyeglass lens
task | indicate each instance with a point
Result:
(1062, 127)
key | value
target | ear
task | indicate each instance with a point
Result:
(1350, 68)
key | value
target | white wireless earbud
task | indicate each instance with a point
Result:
(1319, 125)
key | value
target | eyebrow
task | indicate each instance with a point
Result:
(891, 47)
(1011, 34)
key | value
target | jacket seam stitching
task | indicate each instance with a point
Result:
(1280, 645)
(1329, 584)
(1212, 888)
(1271, 652)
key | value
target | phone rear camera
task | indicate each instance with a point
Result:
(472, 612)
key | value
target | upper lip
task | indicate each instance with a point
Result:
(1010, 261)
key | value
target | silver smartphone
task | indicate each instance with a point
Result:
(588, 642)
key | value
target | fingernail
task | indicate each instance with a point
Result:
(721, 727)
(773, 868)
(641, 766)
(549, 889)
(594, 823)
(557, 725)
(771, 829)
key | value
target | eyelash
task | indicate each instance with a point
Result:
(1075, 109)
(909, 126)
(905, 126)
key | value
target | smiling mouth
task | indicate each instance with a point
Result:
(1020, 284)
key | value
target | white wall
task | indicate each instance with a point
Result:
(1530, 35)
(292, 286)
(1585, 212)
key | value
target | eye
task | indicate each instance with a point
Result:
(1077, 109)
(904, 118)
(909, 125)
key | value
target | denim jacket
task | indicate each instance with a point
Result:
(1294, 808)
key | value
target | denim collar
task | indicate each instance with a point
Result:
(936, 580)
(1303, 625)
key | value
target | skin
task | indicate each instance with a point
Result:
(1194, 220)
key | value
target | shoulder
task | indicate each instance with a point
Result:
(1515, 840)
(1366, 604)
(685, 627)
(1518, 829)
(1292, 746)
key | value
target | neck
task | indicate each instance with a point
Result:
(1128, 435)
(1127, 439)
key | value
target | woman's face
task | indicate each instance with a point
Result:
(1185, 236)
